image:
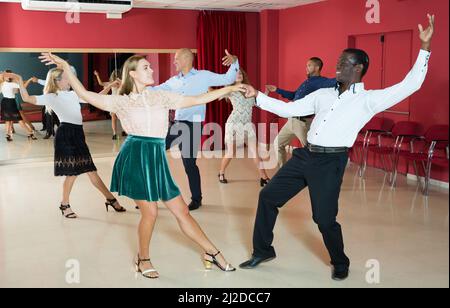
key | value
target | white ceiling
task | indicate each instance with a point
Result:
(235, 5)
(229, 5)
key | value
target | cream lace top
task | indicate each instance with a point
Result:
(145, 114)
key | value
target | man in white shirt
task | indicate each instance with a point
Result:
(340, 115)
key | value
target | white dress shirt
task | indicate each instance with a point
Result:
(339, 118)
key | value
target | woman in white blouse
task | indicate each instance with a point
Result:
(72, 157)
(141, 170)
(9, 110)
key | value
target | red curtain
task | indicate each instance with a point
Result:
(216, 32)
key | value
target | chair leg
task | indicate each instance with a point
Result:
(360, 155)
(416, 170)
(364, 161)
(427, 179)
(395, 172)
(383, 161)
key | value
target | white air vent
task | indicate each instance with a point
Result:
(113, 8)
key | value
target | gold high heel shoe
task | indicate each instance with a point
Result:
(209, 263)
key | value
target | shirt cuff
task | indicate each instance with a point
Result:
(425, 54)
(261, 99)
(236, 65)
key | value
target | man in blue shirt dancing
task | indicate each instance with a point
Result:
(299, 126)
(187, 130)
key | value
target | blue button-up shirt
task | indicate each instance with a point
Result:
(196, 83)
(311, 85)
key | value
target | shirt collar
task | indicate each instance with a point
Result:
(354, 88)
(192, 72)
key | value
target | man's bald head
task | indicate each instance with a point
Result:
(186, 52)
(184, 60)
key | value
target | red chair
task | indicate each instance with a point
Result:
(404, 133)
(435, 151)
(373, 130)
(359, 145)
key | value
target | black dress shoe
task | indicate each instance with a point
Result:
(264, 182)
(195, 205)
(254, 262)
(339, 274)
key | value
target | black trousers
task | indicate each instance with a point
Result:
(323, 174)
(187, 136)
(44, 122)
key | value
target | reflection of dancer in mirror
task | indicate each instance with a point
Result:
(341, 112)
(9, 107)
(240, 131)
(141, 170)
(72, 156)
(49, 117)
(114, 82)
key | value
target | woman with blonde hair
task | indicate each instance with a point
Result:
(9, 108)
(72, 156)
(141, 170)
(240, 131)
(114, 84)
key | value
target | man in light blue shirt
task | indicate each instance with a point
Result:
(187, 130)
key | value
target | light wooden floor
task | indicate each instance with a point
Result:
(407, 234)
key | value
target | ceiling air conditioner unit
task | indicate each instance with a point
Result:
(112, 8)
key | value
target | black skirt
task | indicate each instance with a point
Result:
(9, 111)
(72, 156)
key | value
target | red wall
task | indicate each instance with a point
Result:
(323, 29)
(139, 28)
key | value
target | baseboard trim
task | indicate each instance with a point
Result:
(411, 177)
(433, 182)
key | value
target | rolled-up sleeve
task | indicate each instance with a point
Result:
(218, 80)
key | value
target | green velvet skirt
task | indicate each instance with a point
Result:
(141, 171)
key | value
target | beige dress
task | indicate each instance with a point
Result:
(239, 124)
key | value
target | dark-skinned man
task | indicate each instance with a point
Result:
(340, 114)
(299, 126)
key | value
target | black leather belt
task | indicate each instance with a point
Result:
(318, 149)
(304, 119)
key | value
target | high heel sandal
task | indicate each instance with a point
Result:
(65, 208)
(111, 203)
(222, 179)
(32, 137)
(145, 273)
(9, 138)
(264, 182)
(210, 263)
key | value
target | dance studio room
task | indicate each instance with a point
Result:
(233, 144)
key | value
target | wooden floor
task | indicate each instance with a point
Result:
(399, 230)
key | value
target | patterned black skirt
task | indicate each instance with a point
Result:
(72, 156)
(9, 111)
